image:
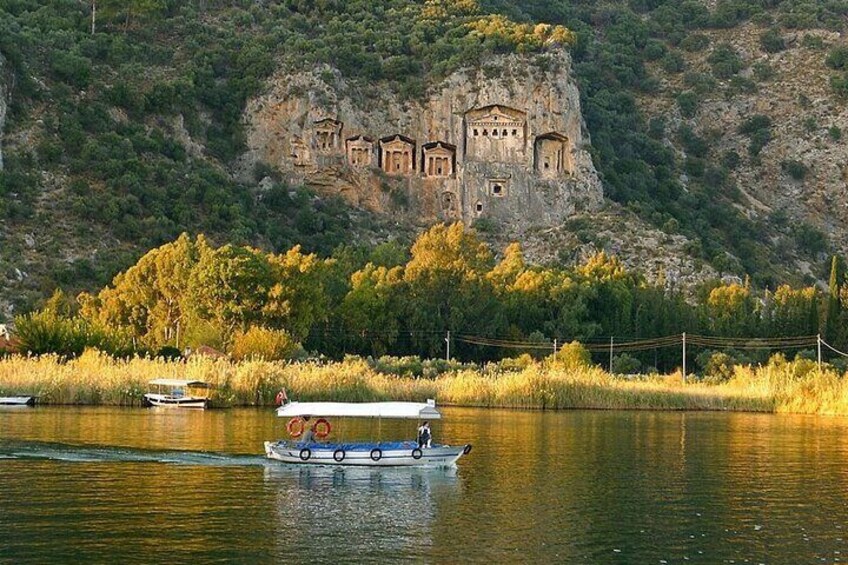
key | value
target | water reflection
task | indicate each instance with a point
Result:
(368, 511)
(572, 487)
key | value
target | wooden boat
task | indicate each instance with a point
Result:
(178, 393)
(372, 453)
(17, 401)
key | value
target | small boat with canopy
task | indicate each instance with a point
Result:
(177, 393)
(310, 450)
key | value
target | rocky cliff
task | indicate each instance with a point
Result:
(505, 142)
(800, 175)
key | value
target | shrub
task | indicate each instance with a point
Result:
(671, 226)
(772, 41)
(45, 331)
(835, 133)
(700, 82)
(695, 42)
(688, 103)
(764, 71)
(758, 130)
(625, 364)
(693, 143)
(810, 124)
(673, 62)
(810, 239)
(263, 343)
(694, 167)
(795, 169)
(812, 41)
(731, 159)
(718, 367)
(656, 127)
(839, 84)
(837, 58)
(571, 356)
(742, 84)
(169, 353)
(725, 61)
(654, 50)
(71, 68)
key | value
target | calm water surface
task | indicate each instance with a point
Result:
(134, 485)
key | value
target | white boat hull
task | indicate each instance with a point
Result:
(165, 400)
(394, 454)
(17, 400)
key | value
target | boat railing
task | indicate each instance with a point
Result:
(350, 446)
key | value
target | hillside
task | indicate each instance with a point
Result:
(714, 129)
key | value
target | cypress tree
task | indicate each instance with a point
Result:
(833, 306)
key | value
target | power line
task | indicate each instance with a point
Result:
(826, 344)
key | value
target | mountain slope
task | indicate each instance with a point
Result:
(715, 125)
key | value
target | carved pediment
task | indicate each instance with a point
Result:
(328, 124)
(396, 142)
(496, 116)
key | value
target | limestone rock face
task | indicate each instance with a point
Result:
(504, 142)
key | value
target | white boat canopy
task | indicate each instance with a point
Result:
(179, 382)
(407, 410)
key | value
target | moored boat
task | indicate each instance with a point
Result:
(17, 401)
(178, 393)
(368, 453)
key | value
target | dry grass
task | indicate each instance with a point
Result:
(95, 378)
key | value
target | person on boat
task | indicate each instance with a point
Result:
(424, 435)
(308, 432)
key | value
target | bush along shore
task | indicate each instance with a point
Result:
(555, 383)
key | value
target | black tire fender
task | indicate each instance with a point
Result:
(467, 449)
(339, 455)
(376, 454)
(305, 454)
(417, 453)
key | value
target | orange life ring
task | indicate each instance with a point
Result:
(295, 426)
(322, 433)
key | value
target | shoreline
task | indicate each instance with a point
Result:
(95, 379)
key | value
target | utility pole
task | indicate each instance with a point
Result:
(610, 368)
(684, 357)
(818, 346)
(447, 353)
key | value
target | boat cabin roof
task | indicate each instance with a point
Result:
(403, 410)
(179, 382)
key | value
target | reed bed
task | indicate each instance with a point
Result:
(97, 379)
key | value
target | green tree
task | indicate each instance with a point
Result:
(230, 286)
(447, 286)
(151, 299)
(792, 311)
(731, 310)
(371, 310)
(833, 332)
(129, 10)
(297, 299)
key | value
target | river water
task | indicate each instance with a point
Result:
(134, 485)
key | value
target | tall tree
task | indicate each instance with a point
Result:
(833, 304)
(448, 289)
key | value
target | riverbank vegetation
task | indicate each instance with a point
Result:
(562, 382)
(394, 300)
